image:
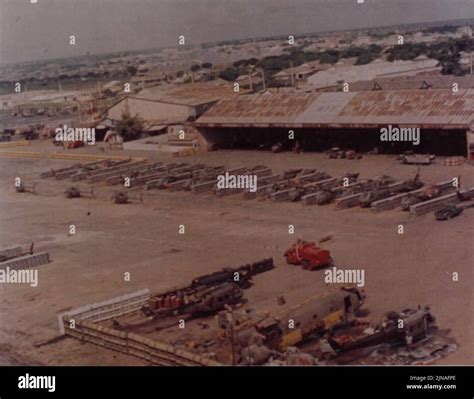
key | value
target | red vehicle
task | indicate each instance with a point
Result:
(75, 144)
(308, 255)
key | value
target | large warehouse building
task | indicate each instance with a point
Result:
(171, 105)
(349, 120)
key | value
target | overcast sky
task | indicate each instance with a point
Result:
(41, 31)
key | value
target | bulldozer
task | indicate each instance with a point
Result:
(121, 197)
(308, 255)
(76, 192)
(25, 188)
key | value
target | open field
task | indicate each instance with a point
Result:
(401, 270)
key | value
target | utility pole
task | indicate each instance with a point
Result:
(230, 319)
(250, 79)
(291, 73)
(469, 30)
(263, 78)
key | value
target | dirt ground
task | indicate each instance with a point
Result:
(400, 270)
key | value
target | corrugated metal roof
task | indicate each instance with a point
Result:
(441, 108)
(435, 82)
(269, 107)
(150, 110)
(426, 107)
(191, 94)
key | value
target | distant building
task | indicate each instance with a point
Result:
(333, 77)
(299, 74)
(147, 80)
(170, 107)
(250, 81)
(417, 82)
(113, 85)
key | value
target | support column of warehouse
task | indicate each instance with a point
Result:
(470, 144)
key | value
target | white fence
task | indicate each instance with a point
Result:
(108, 309)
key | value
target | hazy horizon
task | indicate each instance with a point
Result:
(37, 32)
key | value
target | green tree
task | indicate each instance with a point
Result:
(352, 52)
(329, 57)
(375, 49)
(132, 70)
(129, 127)
(230, 74)
(365, 58)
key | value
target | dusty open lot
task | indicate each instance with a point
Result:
(401, 270)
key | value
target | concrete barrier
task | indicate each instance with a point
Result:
(10, 252)
(26, 261)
